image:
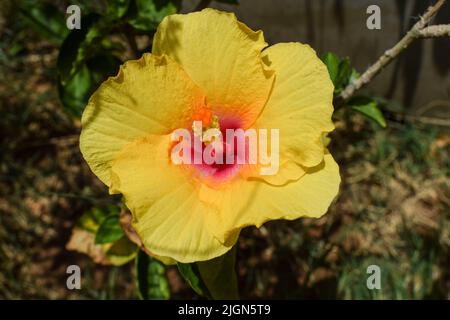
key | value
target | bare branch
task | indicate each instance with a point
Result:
(429, 14)
(442, 30)
(419, 30)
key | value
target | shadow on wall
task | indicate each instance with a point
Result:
(418, 79)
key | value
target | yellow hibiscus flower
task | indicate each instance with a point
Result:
(209, 66)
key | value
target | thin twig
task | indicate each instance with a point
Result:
(442, 30)
(47, 194)
(429, 120)
(433, 104)
(419, 30)
(402, 118)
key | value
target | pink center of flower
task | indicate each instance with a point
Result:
(223, 171)
(218, 171)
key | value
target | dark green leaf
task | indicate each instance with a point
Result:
(354, 75)
(117, 8)
(81, 45)
(343, 76)
(214, 278)
(145, 15)
(45, 19)
(92, 219)
(151, 278)
(110, 230)
(339, 69)
(75, 93)
(122, 251)
(219, 276)
(68, 53)
(190, 273)
(332, 62)
(369, 108)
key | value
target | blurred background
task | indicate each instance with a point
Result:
(393, 209)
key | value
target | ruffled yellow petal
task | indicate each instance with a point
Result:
(152, 95)
(288, 171)
(250, 202)
(221, 55)
(167, 215)
(300, 104)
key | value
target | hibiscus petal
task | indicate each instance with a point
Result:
(245, 203)
(152, 95)
(221, 55)
(300, 104)
(167, 215)
(288, 171)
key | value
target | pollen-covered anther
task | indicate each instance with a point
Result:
(203, 120)
(204, 115)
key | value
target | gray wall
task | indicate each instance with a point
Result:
(418, 79)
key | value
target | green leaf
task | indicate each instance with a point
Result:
(190, 273)
(339, 69)
(69, 52)
(117, 8)
(219, 275)
(110, 230)
(46, 19)
(354, 75)
(343, 75)
(214, 278)
(151, 278)
(145, 15)
(332, 62)
(92, 219)
(75, 82)
(116, 252)
(75, 93)
(81, 45)
(369, 108)
(122, 251)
